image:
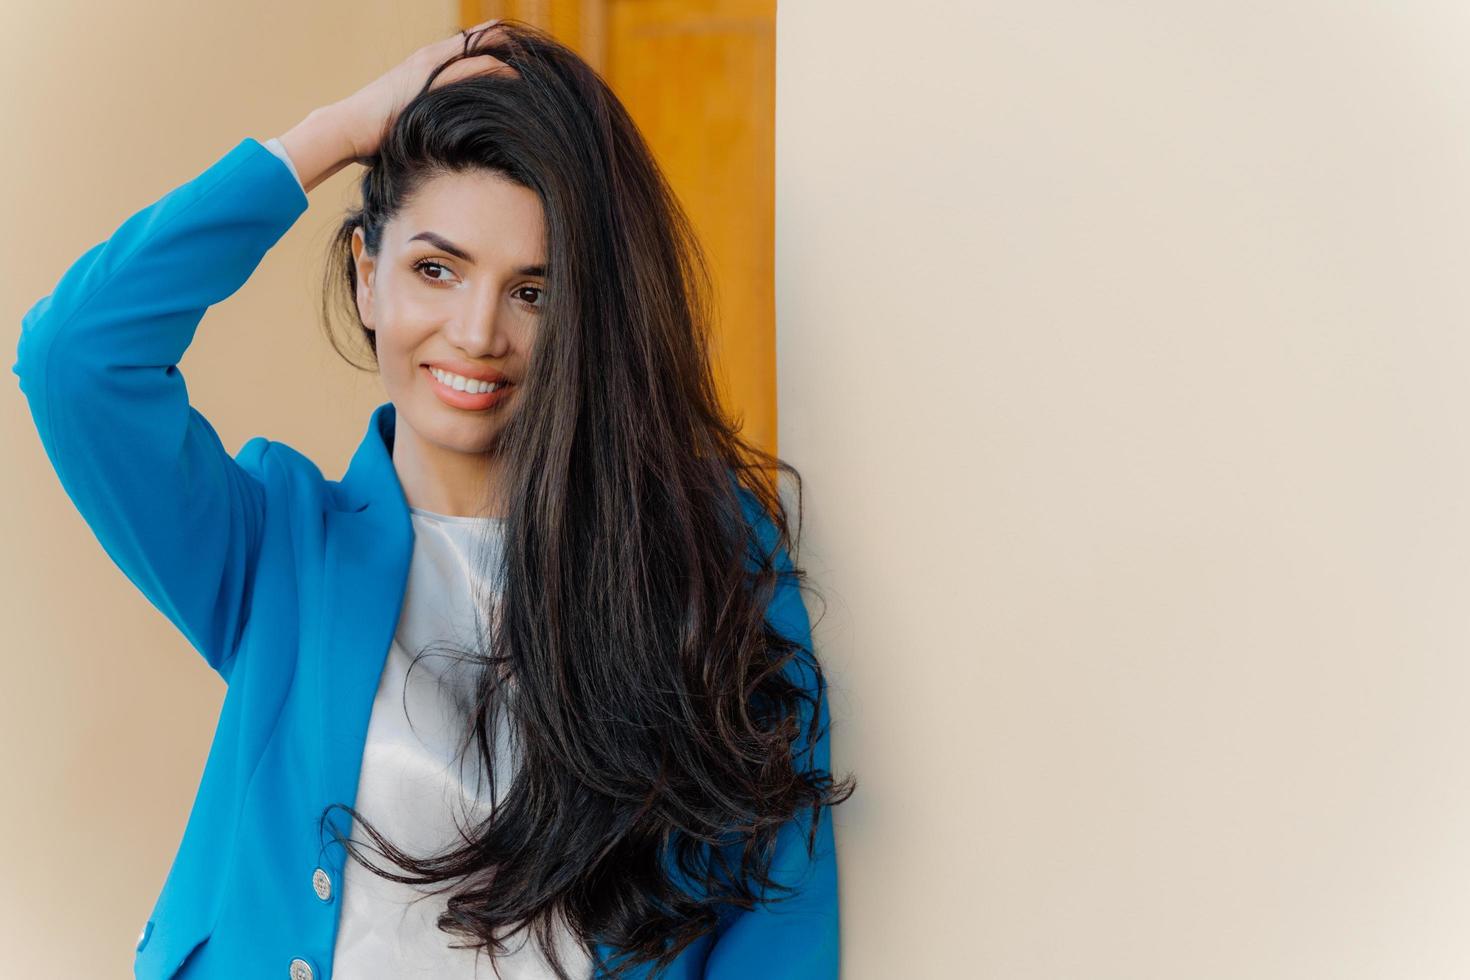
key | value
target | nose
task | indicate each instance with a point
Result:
(479, 326)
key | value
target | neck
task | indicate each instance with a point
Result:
(444, 481)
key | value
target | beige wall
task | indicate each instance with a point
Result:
(106, 712)
(1150, 552)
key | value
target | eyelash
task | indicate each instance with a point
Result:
(421, 263)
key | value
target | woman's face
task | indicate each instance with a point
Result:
(458, 284)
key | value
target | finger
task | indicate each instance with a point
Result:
(476, 32)
(474, 65)
(460, 38)
(483, 64)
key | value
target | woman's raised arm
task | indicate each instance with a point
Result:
(98, 359)
(98, 363)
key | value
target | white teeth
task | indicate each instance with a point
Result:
(460, 383)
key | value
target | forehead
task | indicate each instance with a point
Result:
(490, 216)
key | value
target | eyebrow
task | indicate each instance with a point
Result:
(444, 244)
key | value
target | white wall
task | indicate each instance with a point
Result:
(1124, 348)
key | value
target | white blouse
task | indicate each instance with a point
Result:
(416, 781)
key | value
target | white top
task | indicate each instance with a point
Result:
(416, 781)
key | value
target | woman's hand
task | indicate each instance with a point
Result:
(333, 136)
(365, 115)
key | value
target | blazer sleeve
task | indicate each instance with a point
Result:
(98, 364)
(796, 936)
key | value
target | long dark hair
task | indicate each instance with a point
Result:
(655, 710)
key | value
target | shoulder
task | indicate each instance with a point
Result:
(290, 478)
(766, 547)
(786, 612)
(759, 520)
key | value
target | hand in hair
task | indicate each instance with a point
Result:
(367, 114)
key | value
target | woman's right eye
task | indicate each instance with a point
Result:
(422, 263)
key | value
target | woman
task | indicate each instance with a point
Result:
(646, 705)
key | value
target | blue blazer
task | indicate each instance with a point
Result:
(289, 586)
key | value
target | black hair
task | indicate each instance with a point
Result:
(654, 708)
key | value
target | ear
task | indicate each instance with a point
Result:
(366, 267)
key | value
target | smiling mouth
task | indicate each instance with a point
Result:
(467, 400)
(472, 386)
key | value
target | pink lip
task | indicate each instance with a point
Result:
(464, 399)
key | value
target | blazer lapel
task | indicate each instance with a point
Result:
(368, 547)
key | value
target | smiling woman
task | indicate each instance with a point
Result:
(552, 494)
(517, 229)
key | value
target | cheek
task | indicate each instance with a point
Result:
(399, 345)
(402, 323)
(392, 343)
